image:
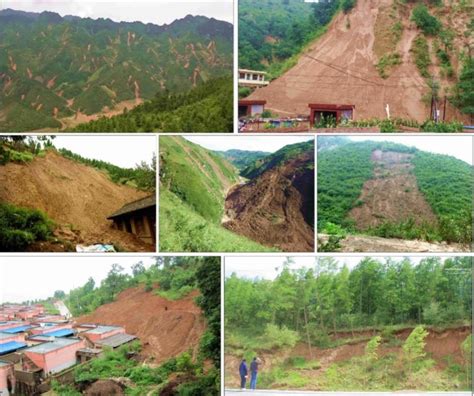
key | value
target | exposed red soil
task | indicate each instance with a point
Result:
(165, 328)
(104, 388)
(80, 118)
(440, 345)
(349, 45)
(274, 209)
(392, 195)
(78, 198)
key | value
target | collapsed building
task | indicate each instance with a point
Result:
(138, 218)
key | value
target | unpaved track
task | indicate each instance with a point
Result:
(351, 49)
(78, 198)
(165, 328)
(364, 243)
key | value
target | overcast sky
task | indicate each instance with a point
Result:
(123, 151)
(158, 12)
(30, 278)
(249, 143)
(455, 145)
(268, 267)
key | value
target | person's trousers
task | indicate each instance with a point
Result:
(253, 381)
(243, 381)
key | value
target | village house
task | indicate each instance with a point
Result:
(11, 342)
(56, 355)
(252, 78)
(338, 112)
(108, 336)
(138, 218)
(250, 108)
(7, 378)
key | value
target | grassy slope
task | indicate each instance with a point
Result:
(276, 159)
(192, 199)
(197, 185)
(182, 229)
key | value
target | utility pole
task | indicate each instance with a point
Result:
(435, 112)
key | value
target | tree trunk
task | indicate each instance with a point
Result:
(307, 333)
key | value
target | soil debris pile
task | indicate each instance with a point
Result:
(165, 328)
(78, 198)
(365, 59)
(275, 208)
(392, 195)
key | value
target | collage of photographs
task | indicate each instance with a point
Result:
(226, 197)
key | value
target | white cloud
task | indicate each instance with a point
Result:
(28, 278)
(147, 11)
(268, 267)
(250, 143)
(121, 150)
(454, 145)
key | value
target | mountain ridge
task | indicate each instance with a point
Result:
(54, 69)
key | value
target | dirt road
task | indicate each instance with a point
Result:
(364, 243)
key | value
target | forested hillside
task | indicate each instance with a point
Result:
(178, 278)
(385, 325)
(394, 191)
(54, 67)
(242, 158)
(277, 159)
(205, 108)
(276, 30)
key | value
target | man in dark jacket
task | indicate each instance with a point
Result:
(254, 372)
(243, 371)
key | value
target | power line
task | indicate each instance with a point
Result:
(358, 77)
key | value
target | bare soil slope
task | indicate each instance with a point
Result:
(442, 346)
(273, 209)
(165, 328)
(77, 197)
(354, 43)
(392, 195)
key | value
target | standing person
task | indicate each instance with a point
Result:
(243, 371)
(254, 372)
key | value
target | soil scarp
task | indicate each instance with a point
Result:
(165, 328)
(78, 198)
(276, 208)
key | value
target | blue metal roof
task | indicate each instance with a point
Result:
(59, 333)
(11, 346)
(14, 330)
